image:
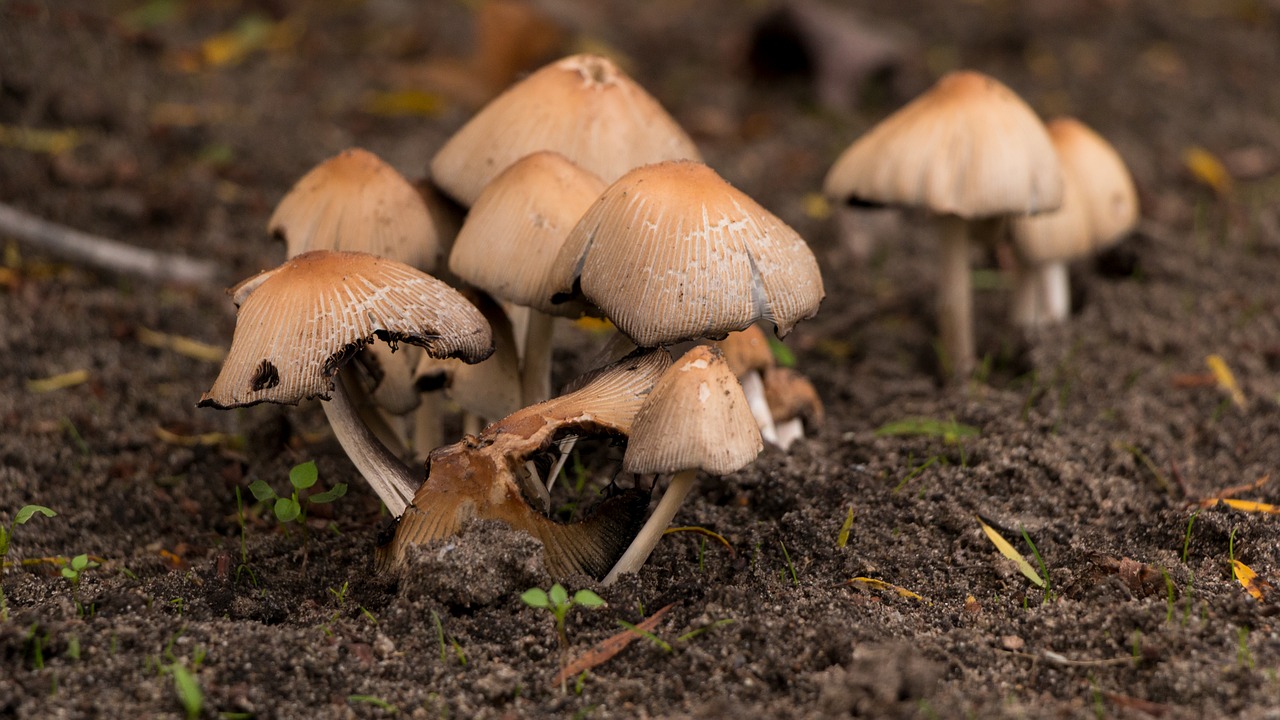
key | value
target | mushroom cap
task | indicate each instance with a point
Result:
(969, 146)
(696, 417)
(671, 252)
(1058, 236)
(747, 350)
(1102, 180)
(490, 388)
(298, 323)
(582, 106)
(509, 242)
(790, 395)
(356, 202)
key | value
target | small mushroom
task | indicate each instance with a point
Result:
(583, 107)
(696, 418)
(794, 404)
(970, 151)
(298, 324)
(476, 478)
(749, 357)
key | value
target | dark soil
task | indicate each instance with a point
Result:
(1096, 438)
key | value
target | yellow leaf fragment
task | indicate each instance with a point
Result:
(867, 583)
(595, 325)
(210, 439)
(704, 532)
(1251, 506)
(36, 140)
(57, 382)
(1226, 380)
(817, 206)
(843, 538)
(1249, 579)
(1007, 550)
(1205, 167)
(401, 103)
(181, 345)
(232, 46)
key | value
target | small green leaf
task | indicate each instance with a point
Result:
(330, 495)
(949, 430)
(79, 562)
(287, 509)
(535, 597)
(262, 491)
(304, 476)
(558, 595)
(69, 574)
(188, 689)
(781, 353)
(27, 511)
(587, 598)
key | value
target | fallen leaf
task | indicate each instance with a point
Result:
(211, 439)
(1226, 380)
(51, 142)
(1249, 580)
(1205, 167)
(181, 345)
(842, 538)
(817, 206)
(58, 382)
(404, 103)
(604, 651)
(1007, 550)
(702, 531)
(867, 583)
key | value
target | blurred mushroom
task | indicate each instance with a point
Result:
(299, 323)
(695, 418)
(1099, 206)
(794, 404)
(970, 151)
(583, 107)
(749, 357)
(671, 252)
(476, 478)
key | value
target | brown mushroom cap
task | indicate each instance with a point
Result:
(747, 350)
(1102, 180)
(1058, 236)
(299, 323)
(969, 146)
(509, 242)
(581, 106)
(356, 202)
(791, 395)
(695, 417)
(672, 252)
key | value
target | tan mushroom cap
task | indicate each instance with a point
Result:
(583, 107)
(969, 146)
(747, 350)
(1058, 236)
(490, 388)
(509, 242)
(298, 323)
(791, 395)
(696, 417)
(356, 202)
(671, 252)
(1102, 180)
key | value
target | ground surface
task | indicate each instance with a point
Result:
(1096, 438)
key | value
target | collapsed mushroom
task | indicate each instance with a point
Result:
(477, 478)
(298, 324)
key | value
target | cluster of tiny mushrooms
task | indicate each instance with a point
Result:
(583, 196)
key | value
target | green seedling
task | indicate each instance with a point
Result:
(795, 581)
(188, 689)
(374, 701)
(658, 642)
(1044, 570)
(1186, 540)
(74, 571)
(24, 514)
(293, 508)
(447, 641)
(243, 567)
(950, 431)
(557, 601)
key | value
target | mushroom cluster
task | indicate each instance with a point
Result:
(582, 195)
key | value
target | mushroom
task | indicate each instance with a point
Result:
(1099, 206)
(970, 151)
(671, 252)
(509, 242)
(794, 404)
(299, 323)
(749, 356)
(476, 478)
(582, 106)
(695, 418)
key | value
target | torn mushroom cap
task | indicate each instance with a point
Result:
(509, 242)
(791, 395)
(696, 417)
(297, 324)
(671, 252)
(747, 350)
(358, 203)
(489, 389)
(969, 147)
(582, 107)
(1102, 180)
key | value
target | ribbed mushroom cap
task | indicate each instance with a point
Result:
(969, 146)
(582, 107)
(299, 323)
(747, 350)
(1058, 236)
(671, 252)
(696, 417)
(356, 202)
(509, 242)
(1102, 180)
(791, 395)
(490, 388)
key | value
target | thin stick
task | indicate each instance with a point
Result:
(102, 252)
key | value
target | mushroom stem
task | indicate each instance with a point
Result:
(640, 549)
(390, 477)
(535, 366)
(789, 432)
(753, 388)
(1041, 295)
(1055, 288)
(1026, 310)
(955, 298)
(428, 425)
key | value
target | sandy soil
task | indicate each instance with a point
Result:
(1096, 438)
